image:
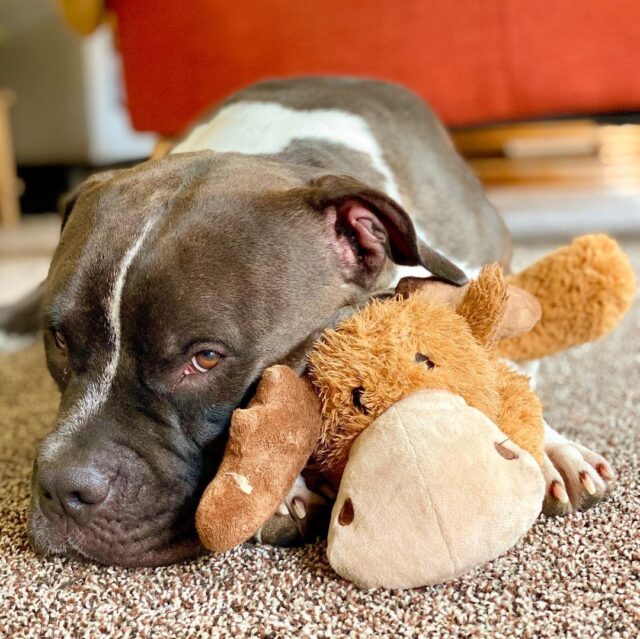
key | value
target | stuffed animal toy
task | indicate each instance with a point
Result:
(433, 443)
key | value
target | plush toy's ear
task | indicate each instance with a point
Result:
(493, 309)
(523, 312)
(366, 226)
(436, 290)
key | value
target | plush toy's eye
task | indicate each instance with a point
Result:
(420, 359)
(356, 396)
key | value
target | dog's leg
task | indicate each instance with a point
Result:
(576, 477)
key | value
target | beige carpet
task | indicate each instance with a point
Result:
(572, 577)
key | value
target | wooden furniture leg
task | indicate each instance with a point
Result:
(9, 200)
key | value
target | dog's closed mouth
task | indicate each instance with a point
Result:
(146, 545)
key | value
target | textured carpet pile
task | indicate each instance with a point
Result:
(573, 577)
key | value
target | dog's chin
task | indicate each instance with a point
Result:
(48, 539)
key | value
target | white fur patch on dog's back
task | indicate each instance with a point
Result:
(262, 128)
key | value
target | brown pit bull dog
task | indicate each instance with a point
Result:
(177, 282)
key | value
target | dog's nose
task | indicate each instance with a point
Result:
(71, 491)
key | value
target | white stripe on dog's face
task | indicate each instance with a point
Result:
(263, 128)
(97, 391)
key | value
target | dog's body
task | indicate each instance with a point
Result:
(177, 282)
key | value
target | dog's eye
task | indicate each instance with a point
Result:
(59, 340)
(356, 397)
(205, 360)
(420, 359)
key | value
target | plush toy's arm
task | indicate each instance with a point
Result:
(584, 290)
(269, 444)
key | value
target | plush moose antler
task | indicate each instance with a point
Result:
(269, 444)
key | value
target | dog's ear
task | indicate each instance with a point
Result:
(69, 199)
(366, 226)
(66, 202)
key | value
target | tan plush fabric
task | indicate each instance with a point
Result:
(573, 577)
(433, 488)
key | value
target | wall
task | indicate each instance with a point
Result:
(69, 105)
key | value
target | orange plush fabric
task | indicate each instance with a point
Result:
(574, 295)
(584, 290)
(473, 61)
(393, 348)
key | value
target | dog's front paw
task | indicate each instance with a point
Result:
(303, 516)
(309, 510)
(576, 477)
(279, 530)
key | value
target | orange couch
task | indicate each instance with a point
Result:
(475, 61)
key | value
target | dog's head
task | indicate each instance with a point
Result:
(175, 284)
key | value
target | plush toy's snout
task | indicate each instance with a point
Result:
(463, 492)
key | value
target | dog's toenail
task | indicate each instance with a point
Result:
(587, 482)
(298, 507)
(559, 492)
(604, 472)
